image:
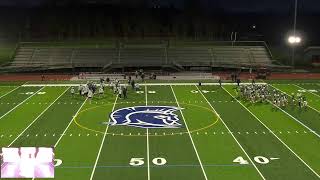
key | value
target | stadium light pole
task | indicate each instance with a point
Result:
(294, 40)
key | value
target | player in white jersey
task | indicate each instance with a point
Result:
(72, 91)
(101, 91)
(80, 89)
(90, 95)
(136, 86)
(120, 92)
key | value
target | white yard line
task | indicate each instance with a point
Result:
(289, 95)
(70, 122)
(9, 92)
(274, 134)
(38, 117)
(194, 147)
(232, 134)
(102, 142)
(148, 153)
(142, 84)
(307, 90)
(20, 103)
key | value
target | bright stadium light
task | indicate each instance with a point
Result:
(294, 39)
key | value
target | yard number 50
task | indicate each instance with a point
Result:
(140, 161)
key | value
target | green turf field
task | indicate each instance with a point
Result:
(220, 137)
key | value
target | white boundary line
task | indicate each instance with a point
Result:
(9, 92)
(194, 147)
(310, 93)
(20, 103)
(306, 90)
(289, 95)
(102, 142)
(38, 117)
(148, 152)
(295, 119)
(142, 84)
(273, 133)
(75, 115)
(69, 125)
(293, 116)
(231, 134)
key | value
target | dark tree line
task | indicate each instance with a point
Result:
(67, 20)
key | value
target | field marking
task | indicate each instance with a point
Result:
(9, 92)
(230, 132)
(273, 133)
(38, 116)
(311, 130)
(289, 95)
(102, 142)
(142, 84)
(165, 166)
(311, 93)
(301, 123)
(307, 90)
(185, 122)
(75, 115)
(148, 153)
(20, 103)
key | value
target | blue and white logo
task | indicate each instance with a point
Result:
(146, 117)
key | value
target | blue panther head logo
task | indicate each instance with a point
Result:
(146, 117)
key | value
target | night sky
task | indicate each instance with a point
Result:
(228, 5)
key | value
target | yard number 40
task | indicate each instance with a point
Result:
(258, 159)
(140, 161)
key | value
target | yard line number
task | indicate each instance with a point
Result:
(203, 91)
(257, 159)
(58, 162)
(159, 161)
(149, 92)
(30, 93)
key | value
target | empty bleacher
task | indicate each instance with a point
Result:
(190, 56)
(143, 55)
(52, 56)
(23, 56)
(230, 55)
(86, 57)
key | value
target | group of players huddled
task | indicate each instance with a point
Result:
(263, 93)
(90, 89)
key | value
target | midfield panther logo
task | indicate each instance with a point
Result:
(146, 117)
